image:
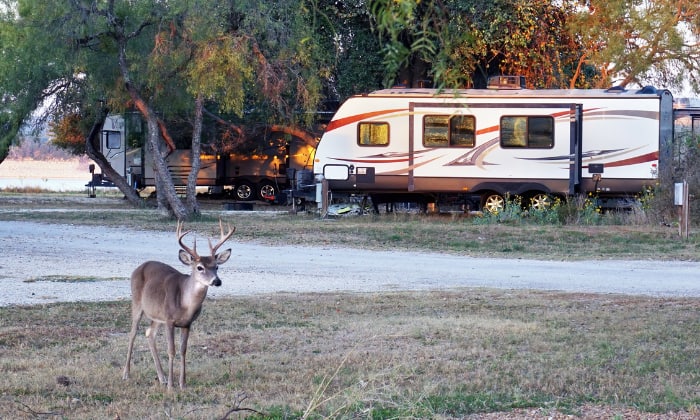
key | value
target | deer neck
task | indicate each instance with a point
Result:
(195, 290)
(193, 294)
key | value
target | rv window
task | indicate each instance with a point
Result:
(373, 134)
(462, 131)
(113, 139)
(532, 132)
(444, 131)
(540, 132)
(435, 130)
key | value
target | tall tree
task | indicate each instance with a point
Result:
(168, 60)
(640, 42)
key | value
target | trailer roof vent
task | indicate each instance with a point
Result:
(647, 90)
(506, 82)
(616, 89)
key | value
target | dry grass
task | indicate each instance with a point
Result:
(423, 355)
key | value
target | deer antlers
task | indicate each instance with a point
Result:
(224, 237)
(180, 235)
(193, 251)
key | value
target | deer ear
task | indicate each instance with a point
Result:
(223, 257)
(185, 257)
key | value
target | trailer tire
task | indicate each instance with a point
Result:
(267, 191)
(492, 202)
(244, 191)
(540, 201)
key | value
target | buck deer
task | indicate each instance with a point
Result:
(169, 297)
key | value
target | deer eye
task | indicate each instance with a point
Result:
(200, 268)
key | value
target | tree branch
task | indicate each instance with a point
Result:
(237, 129)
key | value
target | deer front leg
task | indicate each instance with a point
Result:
(151, 333)
(184, 335)
(170, 334)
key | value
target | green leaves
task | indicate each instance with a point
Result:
(408, 31)
(220, 70)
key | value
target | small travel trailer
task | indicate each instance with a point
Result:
(476, 146)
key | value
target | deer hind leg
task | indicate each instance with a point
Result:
(135, 319)
(184, 335)
(151, 334)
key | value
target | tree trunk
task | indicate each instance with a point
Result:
(161, 201)
(131, 195)
(191, 198)
(168, 201)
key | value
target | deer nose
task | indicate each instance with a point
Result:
(216, 282)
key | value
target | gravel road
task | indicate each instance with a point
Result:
(39, 251)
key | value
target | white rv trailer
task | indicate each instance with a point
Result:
(425, 145)
(258, 176)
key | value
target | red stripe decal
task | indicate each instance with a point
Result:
(354, 118)
(487, 130)
(649, 157)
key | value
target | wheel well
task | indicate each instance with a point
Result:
(239, 181)
(532, 193)
(267, 181)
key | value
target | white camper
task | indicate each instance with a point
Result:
(425, 145)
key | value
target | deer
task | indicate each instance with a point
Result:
(168, 297)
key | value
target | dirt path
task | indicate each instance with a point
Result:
(34, 250)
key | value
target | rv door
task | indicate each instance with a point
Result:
(113, 143)
(576, 155)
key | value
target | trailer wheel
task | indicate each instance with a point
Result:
(244, 191)
(493, 203)
(540, 201)
(267, 191)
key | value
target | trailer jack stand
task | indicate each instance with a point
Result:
(92, 188)
(596, 178)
